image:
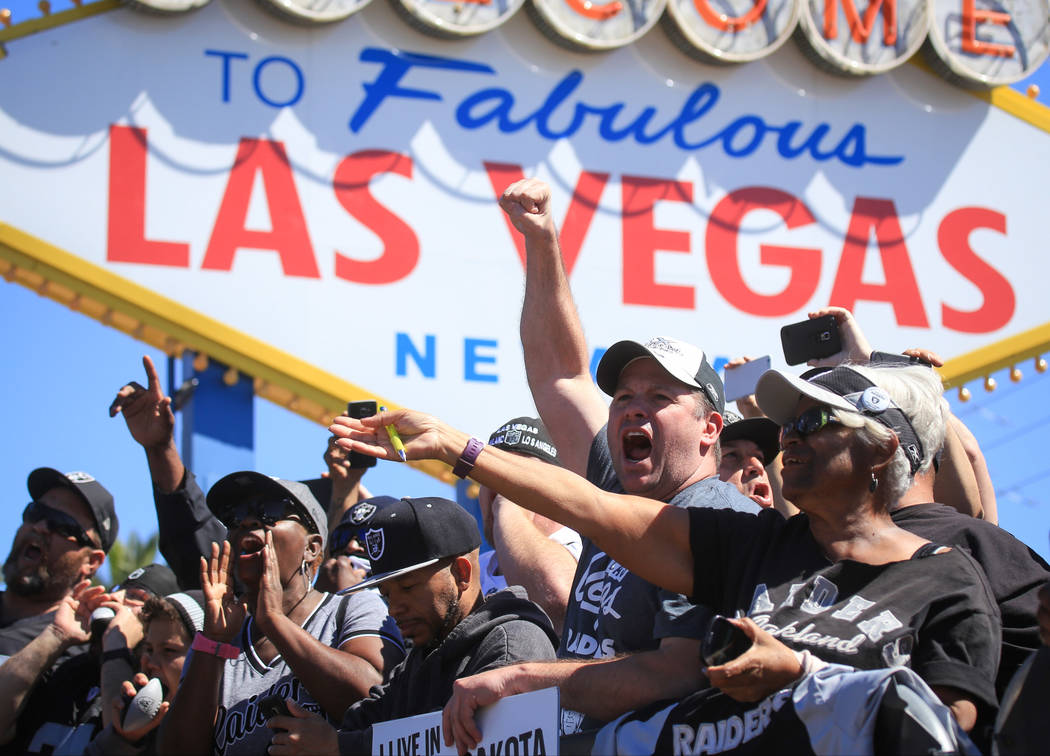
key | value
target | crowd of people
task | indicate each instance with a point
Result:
(840, 527)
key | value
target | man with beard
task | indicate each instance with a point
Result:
(46, 683)
(424, 556)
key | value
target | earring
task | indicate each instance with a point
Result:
(302, 567)
(874, 482)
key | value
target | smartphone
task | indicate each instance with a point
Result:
(889, 358)
(810, 340)
(273, 706)
(740, 381)
(358, 410)
(722, 642)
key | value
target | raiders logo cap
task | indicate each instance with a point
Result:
(525, 435)
(403, 535)
(98, 499)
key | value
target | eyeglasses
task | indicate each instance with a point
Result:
(340, 539)
(267, 511)
(58, 522)
(810, 421)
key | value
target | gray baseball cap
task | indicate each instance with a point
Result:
(238, 486)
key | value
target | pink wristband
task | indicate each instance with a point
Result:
(223, 650)
(466, 460)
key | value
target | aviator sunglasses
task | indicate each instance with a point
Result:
(810, 421)
(268, 511)
(58, 522)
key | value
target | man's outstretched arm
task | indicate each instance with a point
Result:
(556, 357)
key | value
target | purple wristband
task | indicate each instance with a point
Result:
(466, 460)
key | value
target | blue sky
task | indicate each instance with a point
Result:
(64, 368)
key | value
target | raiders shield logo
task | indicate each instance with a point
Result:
(362, 512)
(375, 543)
(79, 477)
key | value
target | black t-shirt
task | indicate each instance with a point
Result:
(14, 636)
(1015, 574)
(934, 613)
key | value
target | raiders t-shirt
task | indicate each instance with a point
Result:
(240, 728)
(612, 611)
(933, 613)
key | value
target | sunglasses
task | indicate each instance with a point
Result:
(58, 522)
(340, 540)
(810, 421)
(268, 511)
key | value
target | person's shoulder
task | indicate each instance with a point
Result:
(985, 540)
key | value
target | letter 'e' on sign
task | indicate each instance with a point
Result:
(987, 43)
(730, 31)
(861, 37)
(597, 25)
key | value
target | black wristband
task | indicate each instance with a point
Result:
(118, 653)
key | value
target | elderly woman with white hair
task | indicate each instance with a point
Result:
(839, 583)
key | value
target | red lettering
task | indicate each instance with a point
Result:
(288, 237)
(971, 16)
(901, 289)
(641, 240)
(126, 220)
(861, 30)
(722, 22)
(953, 237)
(723, 260)
(400, 244)
(589, 188)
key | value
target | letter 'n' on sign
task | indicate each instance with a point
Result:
(578, 217)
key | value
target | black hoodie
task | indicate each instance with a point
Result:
(505, 628)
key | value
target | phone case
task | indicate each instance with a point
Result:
(810, 340)
(360, 410)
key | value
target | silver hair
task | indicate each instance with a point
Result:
(918, 392)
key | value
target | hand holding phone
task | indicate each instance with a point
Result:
(811, 339)
(359, 410)
(273, 706)
(722, 642)
(740, 380)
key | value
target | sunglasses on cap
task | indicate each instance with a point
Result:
(58, 522)
(810, 421)
(267, 511)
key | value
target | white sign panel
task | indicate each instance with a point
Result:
(525, 724)
(332, 191)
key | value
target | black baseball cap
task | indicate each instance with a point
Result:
(157, 579)
(760, 430)
(236, 487)
(354, 520)
(98, 499)
(525, 435)
(408, 534)
(683, 361)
